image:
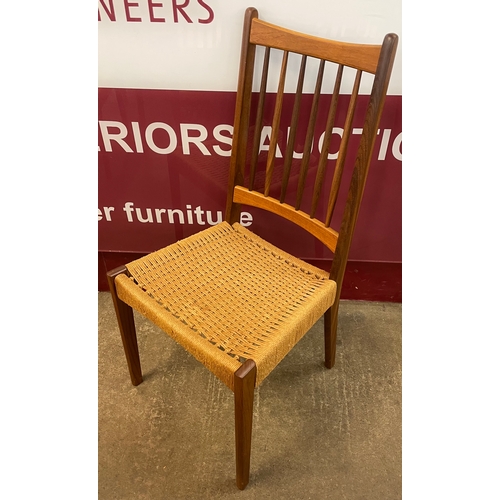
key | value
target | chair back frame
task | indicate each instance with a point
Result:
(375, 59)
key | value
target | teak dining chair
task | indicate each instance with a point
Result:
(237, 303)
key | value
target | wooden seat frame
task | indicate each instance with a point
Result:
(374, 59)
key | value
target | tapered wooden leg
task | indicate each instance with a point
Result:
(125, 316)
(330, 318)
(244, 385)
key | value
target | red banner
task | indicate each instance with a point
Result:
(163, 166)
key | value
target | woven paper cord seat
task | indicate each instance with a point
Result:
(226, 296)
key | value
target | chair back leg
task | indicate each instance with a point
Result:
(330, 325)
(125, 316)
(244, 387)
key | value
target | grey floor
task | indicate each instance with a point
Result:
(317, 434)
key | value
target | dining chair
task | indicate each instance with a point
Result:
(236, 302)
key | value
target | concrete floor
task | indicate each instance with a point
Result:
(317, 434)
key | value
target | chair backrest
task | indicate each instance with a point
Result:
(248, 186)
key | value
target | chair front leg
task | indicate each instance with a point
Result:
(125, 317)
(244, 386)
(331, 320)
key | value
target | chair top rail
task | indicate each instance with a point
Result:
(363, 57)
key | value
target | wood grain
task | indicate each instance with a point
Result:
(125, 317)
(258, 119)
(326, 235)
(293, 129)
(304, 166)
(275, 126)
(360, 56)
(244, 386)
